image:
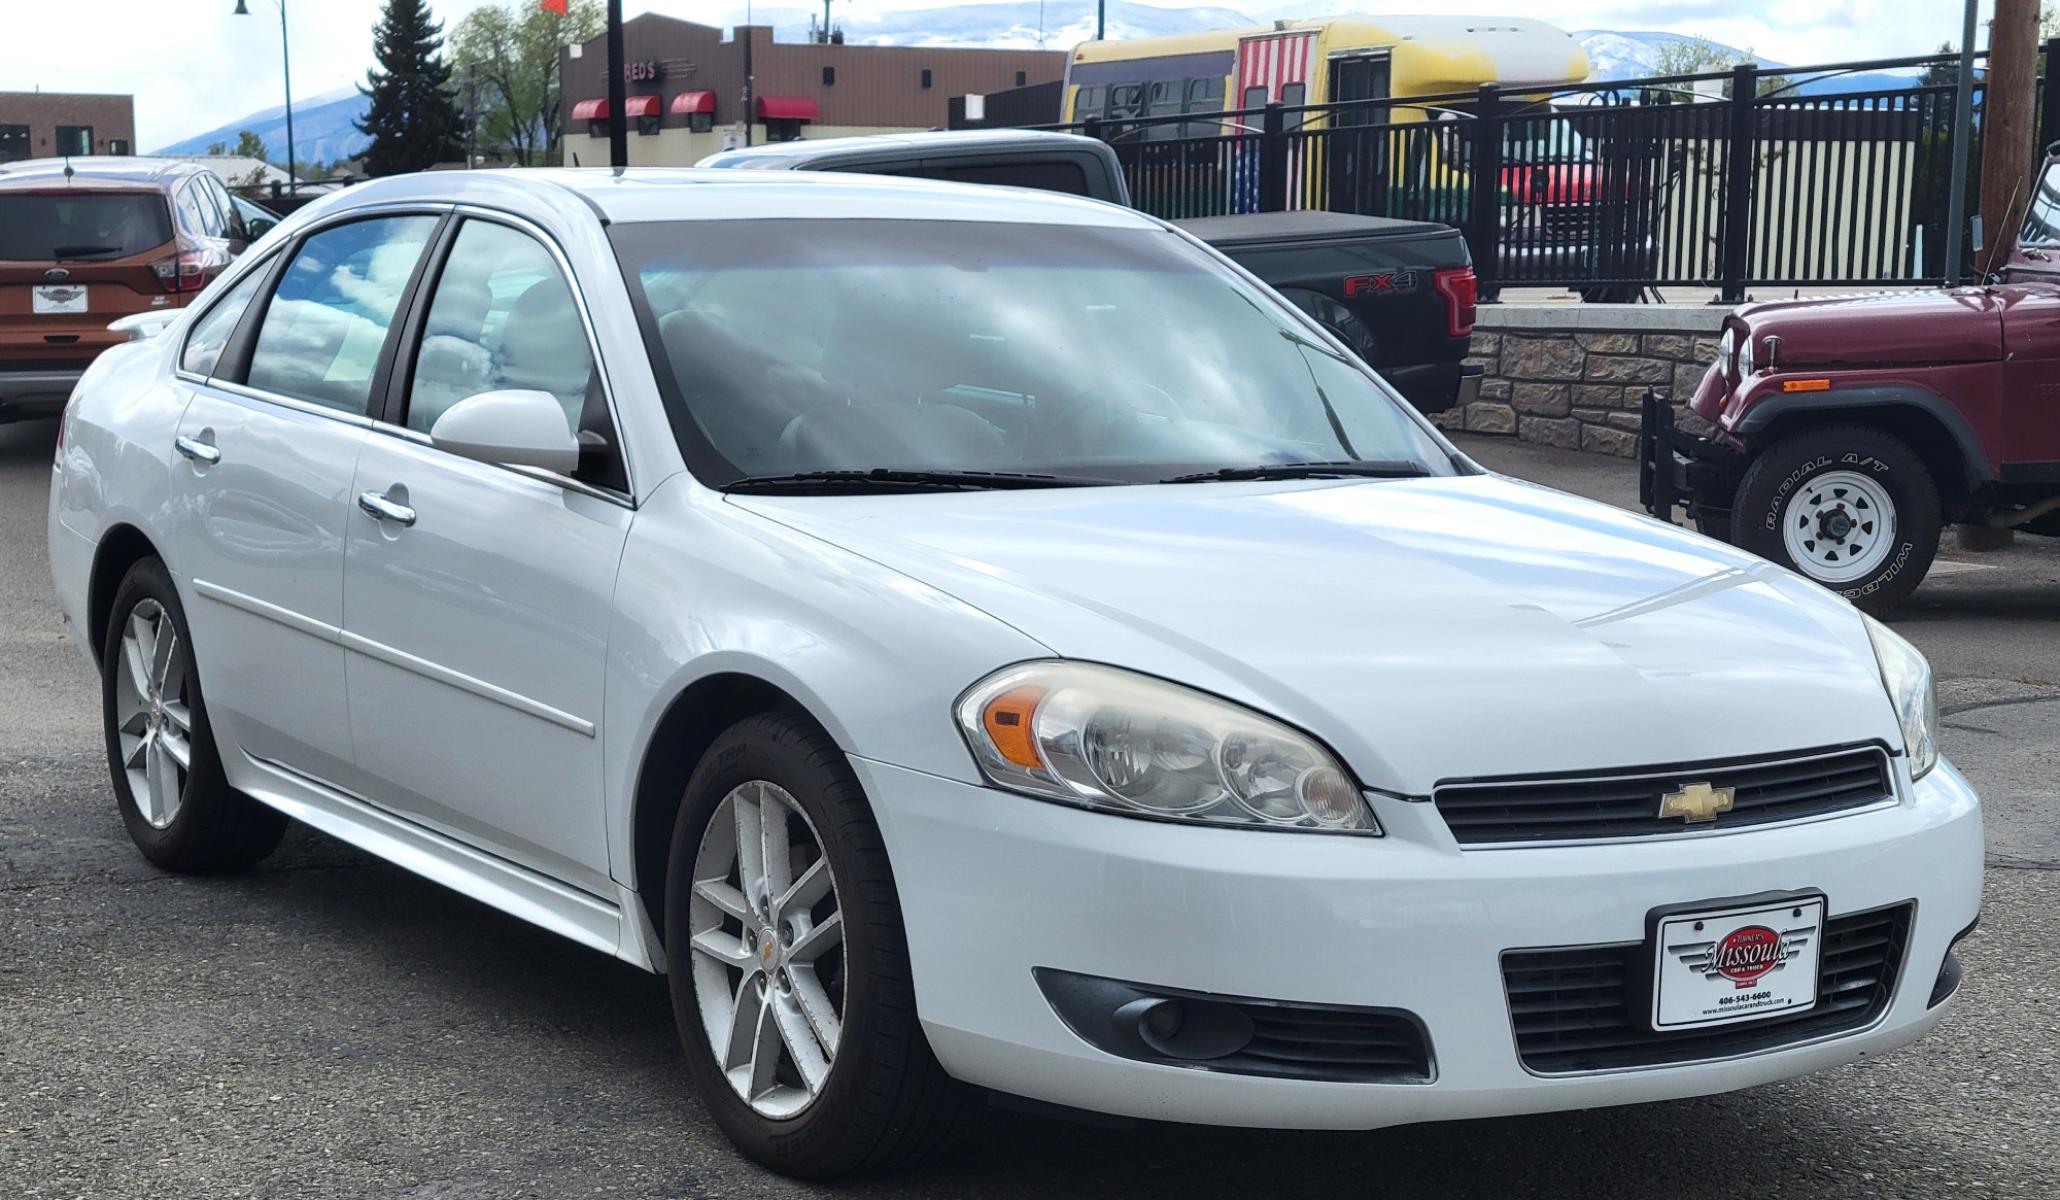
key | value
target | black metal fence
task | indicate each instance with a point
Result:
(1726, 180)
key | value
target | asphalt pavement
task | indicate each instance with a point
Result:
(327, 1025)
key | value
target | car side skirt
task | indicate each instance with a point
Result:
(614, 926)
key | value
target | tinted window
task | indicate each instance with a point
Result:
(14, 142)
(1088, 103)
(322, 333)
(82, 228)
(212, 331)
(502, 317)
(966, 345)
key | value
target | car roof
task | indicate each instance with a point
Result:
(101, 171)
(935, 141)
(639, 194)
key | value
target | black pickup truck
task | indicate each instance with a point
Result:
(1401, 293)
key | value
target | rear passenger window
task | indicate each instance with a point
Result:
(502, 317)
(212, 331)
(327, 321)
(192, 218)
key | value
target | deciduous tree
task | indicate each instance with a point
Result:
(511, 51)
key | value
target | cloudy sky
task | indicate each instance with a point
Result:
(192, 66)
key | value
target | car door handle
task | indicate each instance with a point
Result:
(379, 508)
(197, 450)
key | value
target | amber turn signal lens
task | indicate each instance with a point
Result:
(1806, 385)
(1007, 722)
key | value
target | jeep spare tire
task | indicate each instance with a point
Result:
(1849, 506)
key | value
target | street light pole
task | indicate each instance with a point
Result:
(1963, 132)
(618, 91)
(286, 68)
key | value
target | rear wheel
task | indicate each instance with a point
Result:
(168, 781)
(788, 964)
(1850, 506)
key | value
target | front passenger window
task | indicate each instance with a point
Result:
(327, 322)
(502, 316)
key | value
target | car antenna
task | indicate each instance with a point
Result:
(68, 172)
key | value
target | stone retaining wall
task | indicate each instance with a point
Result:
(1573, 375)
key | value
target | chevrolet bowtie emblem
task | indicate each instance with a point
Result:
(1696, 803)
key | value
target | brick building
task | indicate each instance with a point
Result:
(687, 84)
(52, 124)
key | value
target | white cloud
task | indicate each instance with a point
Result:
(192, 66)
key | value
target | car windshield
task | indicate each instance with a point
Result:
(82, 226)
(2042, 217)
(1079, 353)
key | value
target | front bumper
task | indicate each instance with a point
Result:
(995, 886)
(1678, 469)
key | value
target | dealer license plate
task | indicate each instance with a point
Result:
(1738, 964)
(58, 300)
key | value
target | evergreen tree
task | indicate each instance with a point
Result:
(413, 120)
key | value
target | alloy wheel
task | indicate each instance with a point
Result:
(767, 943)
(154, 713)
(1840, 526)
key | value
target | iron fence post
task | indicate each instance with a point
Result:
(2049, 97)
(1273, 160)
(1484, 194)
(1740, 162)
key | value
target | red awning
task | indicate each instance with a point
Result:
(591, 110)
(693, 102)
(643, 106)
(786, 108)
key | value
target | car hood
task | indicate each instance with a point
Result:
(1956, 325)
(1426, 629)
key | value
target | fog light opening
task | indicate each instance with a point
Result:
(1187, 1029)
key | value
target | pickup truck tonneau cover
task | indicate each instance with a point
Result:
(1254, 228)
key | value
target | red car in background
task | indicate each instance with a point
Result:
(87, 241)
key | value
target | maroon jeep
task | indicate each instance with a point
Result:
(1850, 431)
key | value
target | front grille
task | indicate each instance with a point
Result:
(1586, 1008)
(1626, 804)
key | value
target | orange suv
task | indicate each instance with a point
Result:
(86, 241)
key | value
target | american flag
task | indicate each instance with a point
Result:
(1273, 62)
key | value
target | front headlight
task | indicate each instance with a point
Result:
(1727, 349)
(1907, 676)
(1745, 363)
(1120, 742)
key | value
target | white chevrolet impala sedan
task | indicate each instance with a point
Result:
(980, 642)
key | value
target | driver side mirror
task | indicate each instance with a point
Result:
(514, 426)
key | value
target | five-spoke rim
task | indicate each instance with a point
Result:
(1840, 527)
(153, 713)
(767, 940)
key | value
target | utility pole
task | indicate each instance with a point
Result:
(2007, 116)
(1963, 126)
(1101, 19)
(618, 90)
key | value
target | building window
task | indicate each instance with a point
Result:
(75, 140)
(783, 129)
(829, 76)
(926, 77)
(14, 142)
(1022, 77)
(117, 146)
(700, 122)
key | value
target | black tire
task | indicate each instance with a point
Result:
(1783, 472)
(215, 827)
(886, 1103)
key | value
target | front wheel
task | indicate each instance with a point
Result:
(788, 963)
(1849, 506)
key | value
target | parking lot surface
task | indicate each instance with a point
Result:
(328, 1025)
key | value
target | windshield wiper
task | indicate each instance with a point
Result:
(891, 479)
(1371, 468)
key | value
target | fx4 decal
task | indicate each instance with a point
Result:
(1386, 283)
